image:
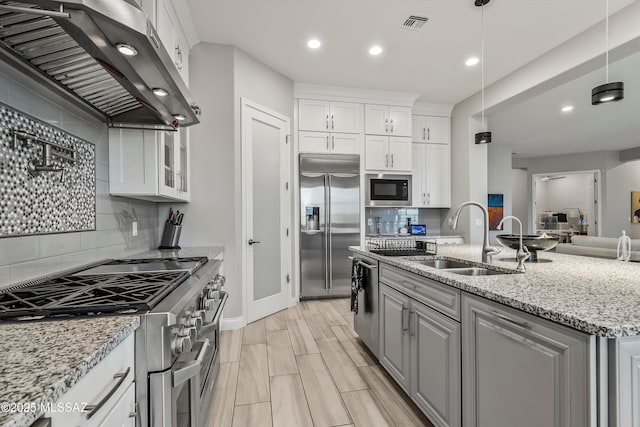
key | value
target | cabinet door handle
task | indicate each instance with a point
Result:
(392, 160)
(326, 123)
(428, 198)
(386, 160)
(327, 142)
(429, 134)
(424, 134)
(424, 199)
(332, 122)
(333, 140)
(523, 325)
(391, 123)
(93, 409)
(386, 125)
(404, 327)
(412, 331)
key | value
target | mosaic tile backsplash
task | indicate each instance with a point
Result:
(53, 201)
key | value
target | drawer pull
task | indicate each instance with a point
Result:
(404, 309)
(93, 409)
(523, 325)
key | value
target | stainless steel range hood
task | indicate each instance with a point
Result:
(72, 45)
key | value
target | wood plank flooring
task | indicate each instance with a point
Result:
(306, 366)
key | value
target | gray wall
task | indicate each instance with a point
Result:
(220, 76)
(24, 258)
(519, 201)
(499, 162)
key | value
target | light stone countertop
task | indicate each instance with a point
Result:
(597, 296)
(40, 361)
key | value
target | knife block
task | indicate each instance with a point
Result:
(170, 236)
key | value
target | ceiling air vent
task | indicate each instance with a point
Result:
(414, 23)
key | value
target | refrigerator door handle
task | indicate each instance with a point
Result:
(327, 232)
(329, 227)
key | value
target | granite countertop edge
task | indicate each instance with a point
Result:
(57, 390)
(554, 316)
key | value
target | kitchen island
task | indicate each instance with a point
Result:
(557, 345)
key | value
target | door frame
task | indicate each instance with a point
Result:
(597, 189)
(285, 203)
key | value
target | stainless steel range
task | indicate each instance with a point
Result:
(177, 345)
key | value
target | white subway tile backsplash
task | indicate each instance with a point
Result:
(19, 249)
(5, 277)
(34, 269)
(78, 259)
(58, 244)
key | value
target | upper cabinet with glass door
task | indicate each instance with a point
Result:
(149, 165)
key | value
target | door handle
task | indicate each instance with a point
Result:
(332, 122)
(392, 160)
(327, 142)
(429, 134)
(327, 122)
(391, 123)
(386, 160)
(386, 125)
(333, 141)
(404, 309)
(424, 134)
(253, 242)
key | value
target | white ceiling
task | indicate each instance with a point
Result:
(429, 62)
(536, 126)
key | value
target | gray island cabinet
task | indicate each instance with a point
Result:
(468, 355)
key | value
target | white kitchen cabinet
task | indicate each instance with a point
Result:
(394, 337)
(431, 170)
(322, 116)
(115, 373)
(624, 393)
(387, 153)
(172, 37)
(149, 165)
(520, 370)
(387, 120)
(435, 364)
(325, 142)
(431, 129)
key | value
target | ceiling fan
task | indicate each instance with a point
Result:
(549, 178)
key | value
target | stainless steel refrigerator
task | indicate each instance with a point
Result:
(330, 223)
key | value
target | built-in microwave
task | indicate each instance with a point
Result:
(388, 190)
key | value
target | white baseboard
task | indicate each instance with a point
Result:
(294, 301)
(233, 323)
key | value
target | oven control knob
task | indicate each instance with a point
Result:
(180, 344)
(213, 294)
(195, 320)
(190, 332)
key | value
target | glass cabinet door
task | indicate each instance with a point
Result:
(183, 184)
(168, 163)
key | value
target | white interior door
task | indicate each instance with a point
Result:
(267, 210)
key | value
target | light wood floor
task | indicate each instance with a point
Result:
(305, 366)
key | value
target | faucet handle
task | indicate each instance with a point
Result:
(492, 250)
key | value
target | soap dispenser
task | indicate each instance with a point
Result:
(624, 247)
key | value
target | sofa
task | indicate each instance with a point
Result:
(600, 247)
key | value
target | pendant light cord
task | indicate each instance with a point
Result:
(606, 30)
(484, 126)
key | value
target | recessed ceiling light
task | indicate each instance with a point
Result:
(375, 50)
(159, 91)
(472, 61)
(126, 49)
(567, 108)
(180, 117)
(314, 44)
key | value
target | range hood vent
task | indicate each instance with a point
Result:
(414, 23)
(73, 45)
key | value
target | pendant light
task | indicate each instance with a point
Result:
(608, 92)
(483, 137)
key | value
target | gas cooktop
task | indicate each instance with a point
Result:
(129, 288)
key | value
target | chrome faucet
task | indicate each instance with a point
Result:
(487, 251)
(523, 253)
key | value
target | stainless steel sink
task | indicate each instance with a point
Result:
(441, 264)
(474, 271)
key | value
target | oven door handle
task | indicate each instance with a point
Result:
(186, 370)
(216, 319)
